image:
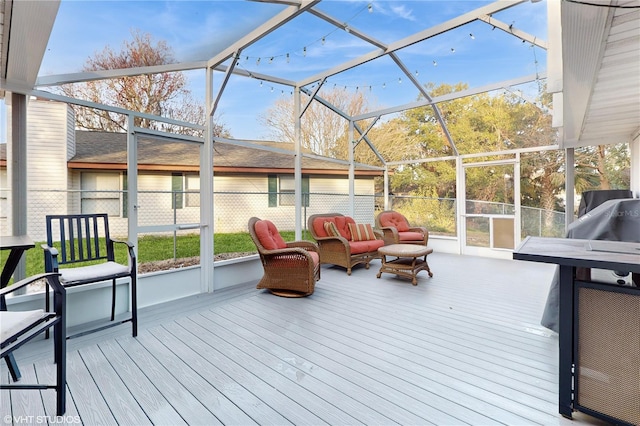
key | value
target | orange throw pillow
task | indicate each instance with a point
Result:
(331, 229)
(361, 232)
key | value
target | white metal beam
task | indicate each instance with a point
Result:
(514, 31)
(416, 38)
(225, 80)
(58, 79)
(348, 28)
(452, 96)
(268, 27)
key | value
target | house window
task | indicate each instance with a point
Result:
(177, 190)
(192, 195)
(287, 191)
(282, 190)
(100, 193)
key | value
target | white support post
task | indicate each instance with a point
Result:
(386, 187)
(297, 170)
(517, 201)
(460, 205)
(569, 189)
(132, 184)
(207, 230)
(352, 171)
(634, 146)
(19, 174)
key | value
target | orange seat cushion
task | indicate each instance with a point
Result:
(341, 222)
(358, 247)
(393, 219)
(268, 235)
(318, 225)
(410, 236)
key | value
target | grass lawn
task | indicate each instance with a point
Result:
(155, 248)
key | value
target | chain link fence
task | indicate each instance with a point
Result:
(439, 215)
(172, 218)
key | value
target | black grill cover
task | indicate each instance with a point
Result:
(613, 220)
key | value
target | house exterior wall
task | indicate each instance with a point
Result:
(53, 188)
(47, 133)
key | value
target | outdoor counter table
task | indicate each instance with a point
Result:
(568, 254)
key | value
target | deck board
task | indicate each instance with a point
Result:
(291, 381)
(463, 347)
(173, 379)
(86, 395)
(347, 350)
(156, 407)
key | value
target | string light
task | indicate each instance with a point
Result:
(347, 29)
(321, 40)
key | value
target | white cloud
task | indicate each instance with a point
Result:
(403, 12)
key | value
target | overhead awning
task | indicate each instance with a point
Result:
(594, 71)
(25, 27)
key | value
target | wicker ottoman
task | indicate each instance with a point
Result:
(406, 260)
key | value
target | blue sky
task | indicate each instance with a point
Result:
(195, 30)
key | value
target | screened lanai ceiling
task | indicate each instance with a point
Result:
(388, 49)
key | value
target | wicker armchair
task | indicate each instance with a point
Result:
(397, 230)
(341, 249)
(291, 269)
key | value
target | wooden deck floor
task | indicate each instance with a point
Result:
(463, 347)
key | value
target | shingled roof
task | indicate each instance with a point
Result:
(108, 150)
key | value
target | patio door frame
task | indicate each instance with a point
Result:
(462, 216)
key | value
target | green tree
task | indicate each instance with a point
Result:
(603, 167)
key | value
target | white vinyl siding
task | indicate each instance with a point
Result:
(100, 193)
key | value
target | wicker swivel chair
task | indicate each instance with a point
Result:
(291, 269)
(397, 230)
